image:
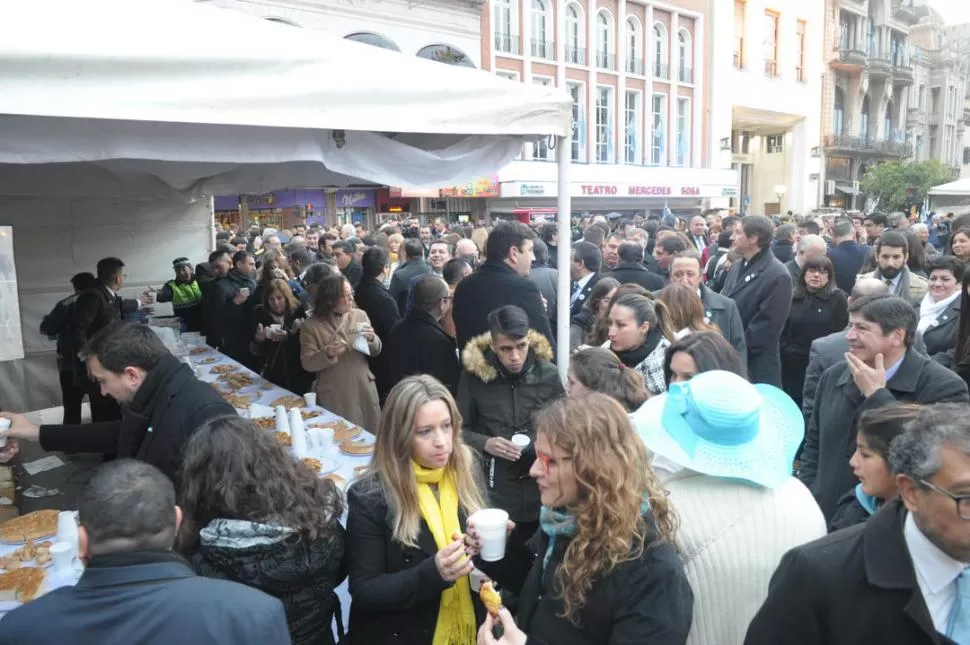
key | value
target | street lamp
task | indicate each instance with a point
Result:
(780, 193)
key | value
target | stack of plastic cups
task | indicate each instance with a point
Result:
(282, 425)
(298, 434)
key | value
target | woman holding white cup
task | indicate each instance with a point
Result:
(606, 570)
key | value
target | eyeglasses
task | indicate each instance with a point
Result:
(962, 501)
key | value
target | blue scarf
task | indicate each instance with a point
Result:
(869, 503)
(558, 521)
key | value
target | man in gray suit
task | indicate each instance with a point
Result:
(720, 310)
(831, 349)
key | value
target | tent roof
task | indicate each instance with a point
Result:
(958, 187)
(143, 98)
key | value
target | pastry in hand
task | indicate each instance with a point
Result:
(490, 598)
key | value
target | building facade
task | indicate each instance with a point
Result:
(638, 74)
(939, 92)
(866, 108)
(767, 82)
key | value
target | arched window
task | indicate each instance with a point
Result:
(505, 21)
(446, 54)
(283, 21)
(541, 47)
(864, 120)
(634, 46)
(575, 35)
(605, 42)
(685, 57)
(838, 113)
(375, 40)
(660, 51)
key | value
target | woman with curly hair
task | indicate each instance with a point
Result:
(603, 568)
(254, 515)
(279, 348)
(600, 332)
(581, 325)
(408, 571)
(599, 370)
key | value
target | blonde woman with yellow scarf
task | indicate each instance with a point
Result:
(409, 581)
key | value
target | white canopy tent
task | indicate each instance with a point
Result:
(957, 188)
(953, 197)
(153, 99)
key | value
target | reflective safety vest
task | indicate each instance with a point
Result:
(185, 295)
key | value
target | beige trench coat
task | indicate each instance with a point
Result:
(344, 385)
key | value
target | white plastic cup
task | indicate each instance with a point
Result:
(521, 441)
(311, 399)
(491, 524)
(63, 557)
(4, 426)
(67, 532)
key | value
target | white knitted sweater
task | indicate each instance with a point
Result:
(732, 535)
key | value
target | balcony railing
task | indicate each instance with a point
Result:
(887, 147)
(662, 71)
(576, 55)
(852, 57)
(507, 44)
(634, 66)
(543, 49)
(880, 65)
(606, 60)
(902, 74)
(685, 75)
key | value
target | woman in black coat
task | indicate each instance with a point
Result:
(939, 310)
(407, 569)
(280, 349)
(236, 528)
(818, 309)
(596, 306)
(603, 569)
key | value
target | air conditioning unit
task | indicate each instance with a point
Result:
(830, 187)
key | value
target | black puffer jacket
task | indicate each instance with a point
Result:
(279, 562)
(495, 403)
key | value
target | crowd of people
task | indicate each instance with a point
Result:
(761, 439)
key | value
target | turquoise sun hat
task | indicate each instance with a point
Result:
(721, 425)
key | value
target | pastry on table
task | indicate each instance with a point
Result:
(312, 464)
(342, 431)
(21, 584)
(289, 401)
(283, 438)
(267, 423)
(356, 448)
(224, 369)
(31, 526)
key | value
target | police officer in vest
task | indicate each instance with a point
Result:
(184, 294)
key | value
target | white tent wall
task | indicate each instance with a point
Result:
(56, 238)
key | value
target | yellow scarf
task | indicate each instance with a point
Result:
(456, 616)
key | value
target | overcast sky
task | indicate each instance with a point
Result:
(954, 12)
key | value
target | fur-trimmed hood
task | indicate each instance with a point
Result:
(476, 360)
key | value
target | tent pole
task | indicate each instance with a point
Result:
(564, 254)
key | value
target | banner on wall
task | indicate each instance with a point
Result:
(11, 338)
(487, 186)
(356, 199)
(315, 200)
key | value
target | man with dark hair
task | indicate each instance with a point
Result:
(56, 326)
(892, 255)
(584, 272)
(847, 254)
(899, 578)
(438, 253)
(630, 269)
(546, 279)
(95, 309)
(208, 274)
(664, 252)
(718, 310)
(231, 306)
(164, 402)
(184, 293)
(499, 281)
(344, 255)
(135, 588)
(879, 368)
(419, 344)
(875, 225)
(808, 227)
(300, 260)
(373, 299)
(611, 248)
(762, 289)
(239, 243)
(325, 245)
(414, 265)
(784, 243)
(507, 377)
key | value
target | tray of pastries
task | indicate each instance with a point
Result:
(357, 448)
(283, 438)
(225, 369)
(238, 401)
(21, 585)
(32, 526)
(237, 380)
(342, 431)
(288, 401)
(30, 554)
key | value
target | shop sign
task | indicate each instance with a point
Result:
(355, 199)
(729, 191)
(478, 187)
(532, 189)
(640, 190)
